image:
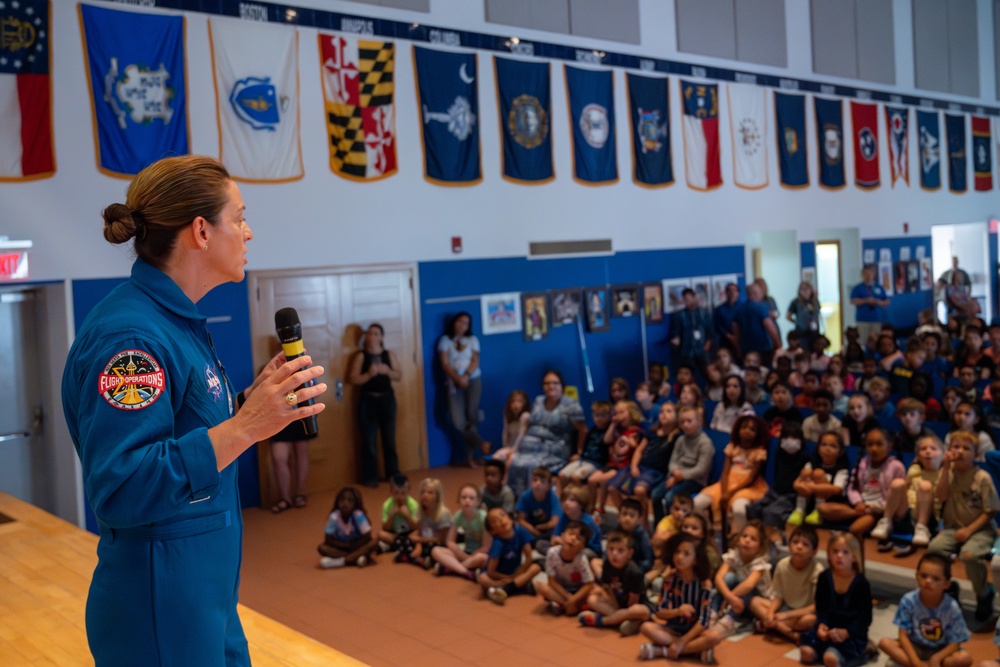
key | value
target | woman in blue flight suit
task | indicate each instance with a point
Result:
(157, 427)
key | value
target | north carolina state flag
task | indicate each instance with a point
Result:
(701, 134)
(864, 127)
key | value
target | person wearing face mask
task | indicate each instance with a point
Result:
(778, 503)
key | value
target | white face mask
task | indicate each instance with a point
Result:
(791, 445)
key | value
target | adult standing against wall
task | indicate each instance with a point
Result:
(803, 312)
(158, 427)
(723, 319)
(768, 300)
(290, 449)
(374, 369)
(692, 333)
(556, 429)
(754, 327)
(956, 289)
(870, 303)
(458, 350)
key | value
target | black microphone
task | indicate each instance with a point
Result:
(286, 322)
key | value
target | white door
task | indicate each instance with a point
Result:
(22, 458)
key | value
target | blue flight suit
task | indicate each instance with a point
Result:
(141, 387)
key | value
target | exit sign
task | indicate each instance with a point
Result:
(13, 265)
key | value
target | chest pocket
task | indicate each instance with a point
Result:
(206, 398)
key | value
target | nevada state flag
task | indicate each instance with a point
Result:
(257, 98)
(929, 136)
(864, 127)
(897, 122)
(359, 91)
(525, 101)
(137, 86)
(958, 177)
(982, 156)
(790, 112)
(701, 135)
(830, 139)
(592, 119)
(649, 121)
(748, 124)
(448, 104)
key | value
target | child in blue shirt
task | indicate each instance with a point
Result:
(574, 501)
(348, 533)
(509, 570)
(538, 509)
(630, 522)
(594, 454)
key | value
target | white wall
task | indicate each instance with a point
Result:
(323, 220)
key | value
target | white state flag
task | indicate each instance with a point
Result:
(257, 96)
(748, 123)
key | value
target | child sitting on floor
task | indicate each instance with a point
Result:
(465, 558)
(792, 607)
(432, 528)
(538, 509)
(916, 495)
(619, 599)
(399, 516)
(509, 570)
(348, 534)
(494, 492)
(570, 578)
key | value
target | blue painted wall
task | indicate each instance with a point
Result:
(903, 308)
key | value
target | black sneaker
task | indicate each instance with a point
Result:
(885, 545)
(903, 548)
(984, 603)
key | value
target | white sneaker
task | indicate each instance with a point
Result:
(361, 561)
(921, 535)
(497, 595)
(882, 528)
(629, 627)
(652, 651)
(326, 562)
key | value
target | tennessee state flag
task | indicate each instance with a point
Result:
(982, 155)
(864, 127)
(897, 121)
(790, 112)
(958, 179)
(701, 135)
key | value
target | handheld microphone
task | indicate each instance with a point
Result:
(286, 322)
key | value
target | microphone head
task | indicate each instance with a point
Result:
(286, 322)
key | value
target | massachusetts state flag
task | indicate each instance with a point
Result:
(701, 135)
(358, 88)
(897, 121)
(592, 118)
(830, 140)
(929, 136)
(25, 92)
(982, 156)
(958, 178)
(257, 98)
(448, 103)
(524, 97)
(864, 127)
(790, 112)
(748, 124)
(137, 85)
(649, 122)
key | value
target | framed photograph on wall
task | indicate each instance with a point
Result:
(597, 309)
(500, 313)
(899, 277)
(913, 276)
(809, 275)
(652, 302)
(536, 315)
(885, 277)
(719, 287)
(702, 287)
(625, 300)
(673, 288)
(926, 277)
(565, 306)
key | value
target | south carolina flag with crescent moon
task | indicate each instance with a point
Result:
(701, 135)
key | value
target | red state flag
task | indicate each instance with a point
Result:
(864, 126)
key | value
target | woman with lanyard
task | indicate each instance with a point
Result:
(374, 369)
(158, 429)
(458, 350)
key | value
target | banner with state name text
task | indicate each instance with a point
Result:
(649, 122)
(524, 97)
(958, 177)
(982, 154)
(929, 143)
(592, 119)
(830, 140)
(790, 114)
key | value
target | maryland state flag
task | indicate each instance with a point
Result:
(592, 118)
(929, 135)
(525, 99)
(790, 112)
(958, 179)
(649, 120)
(358, 86)
(830, 139)
(701, 135)
(864, 126)
(982, 155)
(897, 121)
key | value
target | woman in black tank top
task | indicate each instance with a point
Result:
(373, 370)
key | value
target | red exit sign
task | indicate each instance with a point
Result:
(13, 265)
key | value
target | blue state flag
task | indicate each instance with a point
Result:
(448, 101)
(790, 112)
(929, 135)
(830, 140)
(649, 121)
(137, 86)
(958, 178)
(592, 117)
(525, 100)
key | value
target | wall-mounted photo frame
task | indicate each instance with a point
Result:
(913, 276)
(885, 277)
(673, 297)
(625, 300)
(899, 277)
(535, 306)
(566, 305)
(926, 276)
(809, 275)
(500, 313)
(652, 302)
(598, 312)
(719, 288)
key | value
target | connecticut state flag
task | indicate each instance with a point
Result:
(830, 139)
(958, 178)
(790, 112)
(748, 124)
(701, 135)
(525, 100)
(864, 127)
(137, 86)
(982, 154)
(649, 122)
(929, 135)
(448, 103)
(592, 118)
(25, 92)
(358, 78)
(257, 99)
(897, 123)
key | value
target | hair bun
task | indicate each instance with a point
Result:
(119, 225)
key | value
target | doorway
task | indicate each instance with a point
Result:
(335, 306)
(829, 279)
(969, 242)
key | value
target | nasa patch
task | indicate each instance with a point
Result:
(213, 383)
(132, 380)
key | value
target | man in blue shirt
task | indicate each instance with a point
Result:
(723, 318)
(870, 303)
(692, 333)
(754, 328)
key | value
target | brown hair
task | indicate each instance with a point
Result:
(162, 199)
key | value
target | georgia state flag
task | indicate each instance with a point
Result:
(701, 135)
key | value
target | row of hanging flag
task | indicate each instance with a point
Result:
(139, 102)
